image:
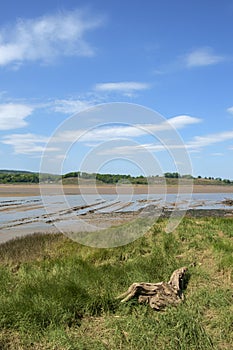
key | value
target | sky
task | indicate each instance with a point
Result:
(63, 58)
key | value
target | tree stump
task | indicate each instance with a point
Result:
(158, 295)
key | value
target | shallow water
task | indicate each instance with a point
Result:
(25, 215)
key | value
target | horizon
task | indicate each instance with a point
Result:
(170, 57)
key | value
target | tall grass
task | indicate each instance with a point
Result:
(58, 294)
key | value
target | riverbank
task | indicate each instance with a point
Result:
(64, 293)
(17, 190)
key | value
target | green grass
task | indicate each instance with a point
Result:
(58, 294)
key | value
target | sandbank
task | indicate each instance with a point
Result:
(22, 190)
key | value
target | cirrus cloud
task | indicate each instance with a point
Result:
(47, 37)
(122, 87)
(27, 143)
(208, 140)
(118, 131)
(71, 106)
(202, 57)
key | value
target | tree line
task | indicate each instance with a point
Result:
(7, 177)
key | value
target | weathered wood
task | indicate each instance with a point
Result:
(158, 295)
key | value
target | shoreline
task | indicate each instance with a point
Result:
(109, 219)
(17, 190)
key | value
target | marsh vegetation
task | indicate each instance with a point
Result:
(58, 294)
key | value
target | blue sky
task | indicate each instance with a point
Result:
(61, 57)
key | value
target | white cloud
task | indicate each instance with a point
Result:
(31, 143)
(134, 149)
(71, 106)
(13, 115)
(193, 150)
(181, 121)
(178, 122)
(217, 154)
(27, 143)
(230, 110)
(109, 132)
(98, 134)
(127, 87)
(46, 38)
(202, 57)
(192, 146)
(207, 140)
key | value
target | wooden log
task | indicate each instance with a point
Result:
(158, 295)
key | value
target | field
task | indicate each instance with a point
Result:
(58, 294)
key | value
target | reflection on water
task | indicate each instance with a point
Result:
(31, 214)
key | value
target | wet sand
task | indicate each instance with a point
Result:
(34, 189)
(26, 215)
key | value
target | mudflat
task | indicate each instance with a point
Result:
(52, 189)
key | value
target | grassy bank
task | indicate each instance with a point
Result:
(58, 294)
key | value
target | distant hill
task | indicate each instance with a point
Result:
(5, 171)
(23, 176)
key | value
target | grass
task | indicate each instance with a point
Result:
(58, 294)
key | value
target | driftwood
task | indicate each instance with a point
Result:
(227, 201)
(158, 295)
